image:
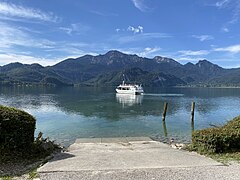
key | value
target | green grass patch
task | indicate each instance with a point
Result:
(33, 174)
(226, 157)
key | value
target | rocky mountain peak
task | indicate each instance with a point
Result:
(207, 67)
(114, 53)
(206, 64)
(203, 62)
(160, 59)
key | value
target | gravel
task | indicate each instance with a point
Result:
(231, 172)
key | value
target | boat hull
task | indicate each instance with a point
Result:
(129, 92)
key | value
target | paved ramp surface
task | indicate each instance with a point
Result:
(109, 158)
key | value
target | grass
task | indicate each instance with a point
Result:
(226, 158)
(30, 176)
(33, 174)
(19, 162)
(6, 178)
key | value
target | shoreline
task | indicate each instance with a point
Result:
(217, 87)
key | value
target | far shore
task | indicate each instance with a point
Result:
(217, 87)
(96, 86)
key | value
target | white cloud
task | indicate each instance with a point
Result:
(222, 3)
(20, 44)
(26, 59)
(232, 49)
(188, 59)
(236, 13)
(11, 36)
(140, 28)
(11, 10)
(149, 51)
(234, 7)
(225, 29)
(193, 53)
(139, 4)
(135, 30)
(203, 37)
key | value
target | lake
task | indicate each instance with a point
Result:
(64, 114)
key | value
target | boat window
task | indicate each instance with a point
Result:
(124, 88)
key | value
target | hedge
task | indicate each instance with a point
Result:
(16, 129)
(218, 140)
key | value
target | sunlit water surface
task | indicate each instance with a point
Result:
(64, 114)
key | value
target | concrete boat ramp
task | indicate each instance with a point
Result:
(130, 158)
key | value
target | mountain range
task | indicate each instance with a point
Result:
(108, 69)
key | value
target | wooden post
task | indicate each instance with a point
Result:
(192, 125)
(164, 111)
(164, 128)
(192, 111)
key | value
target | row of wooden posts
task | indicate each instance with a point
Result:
(165, 113)
(166, 107)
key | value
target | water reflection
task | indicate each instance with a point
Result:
(165, 129)
(69, 113)
(129, 99)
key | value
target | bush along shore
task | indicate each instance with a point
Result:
(221, 143)
(20, 152)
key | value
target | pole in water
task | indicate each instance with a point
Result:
(192, 111)
(192, 125)
(164, 111)
(164, 128)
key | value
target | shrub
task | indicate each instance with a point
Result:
(16, 129)
(217, 140)
(233, 124)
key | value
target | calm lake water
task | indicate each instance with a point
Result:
(64, 114)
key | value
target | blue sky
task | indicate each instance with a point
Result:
(46, 32)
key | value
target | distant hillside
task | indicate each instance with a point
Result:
(20, 74)
(107, 69)
(136, 75)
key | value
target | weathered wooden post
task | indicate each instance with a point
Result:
(164, 128)
(192, 112)
(164, 111)
(192, 125)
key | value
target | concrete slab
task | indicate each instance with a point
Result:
(88, 140)
(121, 155)
(193, 173)
(129, 139)
(114, 140)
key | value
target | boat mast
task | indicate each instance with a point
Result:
(123, 80)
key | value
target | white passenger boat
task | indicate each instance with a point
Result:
(129, 89)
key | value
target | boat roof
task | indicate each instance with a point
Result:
(127, 85)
